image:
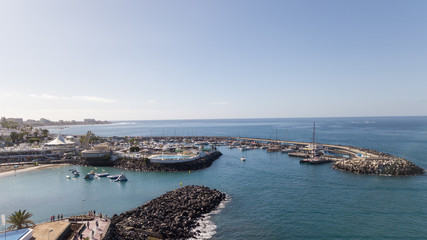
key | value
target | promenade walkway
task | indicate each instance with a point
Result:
(93, 232)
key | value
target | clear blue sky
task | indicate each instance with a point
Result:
(131, 60)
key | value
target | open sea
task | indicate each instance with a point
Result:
(271, 196)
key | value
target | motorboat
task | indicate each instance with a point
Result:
(102, 174)
(113, 177)
(243, 159)
(89, 176)
(68, 177)
(315, 160)
(75, 173)
(122, 177)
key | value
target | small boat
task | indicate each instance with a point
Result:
(122, 177)
(315, 160)
(287, 150)
(75, 173)
(68, 177)
(102, 174)
(89, 176)
(243, 159)
(112, 177)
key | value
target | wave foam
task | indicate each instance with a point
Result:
(205, 227)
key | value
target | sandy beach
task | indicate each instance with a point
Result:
(10, 169)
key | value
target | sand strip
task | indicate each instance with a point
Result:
(10, 170)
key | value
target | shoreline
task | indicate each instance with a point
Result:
(9, 170)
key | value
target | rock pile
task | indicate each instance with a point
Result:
(170, 216)
(146, 165)
(386, 166)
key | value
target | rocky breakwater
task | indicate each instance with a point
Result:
(147, 165)
(170, 216)
(384, 166)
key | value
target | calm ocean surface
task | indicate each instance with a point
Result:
(272, 195)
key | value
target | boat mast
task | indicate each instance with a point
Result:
(314, 130)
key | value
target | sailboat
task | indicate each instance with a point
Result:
(314, 159)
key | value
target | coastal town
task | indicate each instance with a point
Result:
(162, 154)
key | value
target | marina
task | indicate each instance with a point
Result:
(354, 195)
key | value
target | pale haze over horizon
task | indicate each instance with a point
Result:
(138, 60)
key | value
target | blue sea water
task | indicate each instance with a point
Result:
(272, 195)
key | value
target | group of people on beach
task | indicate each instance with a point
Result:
(59, 217)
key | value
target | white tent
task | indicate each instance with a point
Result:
(59, 141)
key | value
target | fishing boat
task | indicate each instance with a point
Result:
(122, 177)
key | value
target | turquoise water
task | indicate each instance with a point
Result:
(272, 195)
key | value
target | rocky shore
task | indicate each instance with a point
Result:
(385, 166)
(146, 165)
(170, 216)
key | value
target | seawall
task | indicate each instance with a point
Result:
(388, 166)
(170, 216)
(146, 165)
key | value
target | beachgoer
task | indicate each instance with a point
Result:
(100, 215)
(62, 216)
(94, 212)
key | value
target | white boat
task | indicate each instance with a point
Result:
(121, 178)
(112, 177)
(243, 159)
(68, 177)
(75, 173)
(244, 148)
(102, 174)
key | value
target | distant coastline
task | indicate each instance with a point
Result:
(43, 122)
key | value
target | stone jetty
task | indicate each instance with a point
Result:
(382, 166)
(170, 216)
(146, 165)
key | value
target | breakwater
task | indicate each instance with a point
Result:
(170, 216)
(348, 158)
(147, 165)
(386, 166)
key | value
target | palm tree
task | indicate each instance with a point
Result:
(19, 219)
